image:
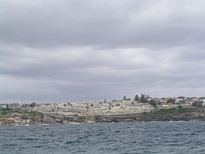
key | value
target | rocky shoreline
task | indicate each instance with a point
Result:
(141, 108)
(19, 117)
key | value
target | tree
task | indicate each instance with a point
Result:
(153, 103)
(33, 104)
(171, 101)
(136, 98)
(143, 98)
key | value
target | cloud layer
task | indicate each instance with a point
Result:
(79, 50)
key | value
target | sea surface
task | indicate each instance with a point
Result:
(105, 138)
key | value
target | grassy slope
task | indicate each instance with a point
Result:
(33, 116)
(158, 115)
(174, 114)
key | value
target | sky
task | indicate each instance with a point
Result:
(71, 50)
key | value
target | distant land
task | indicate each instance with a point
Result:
(141, 108)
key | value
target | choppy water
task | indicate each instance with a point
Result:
(150, 137)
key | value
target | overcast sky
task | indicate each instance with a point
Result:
(61, 50)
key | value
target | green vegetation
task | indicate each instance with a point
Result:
(179, 113)
(171, 111)
(143, 98)
(153, 103)
(34, 116)
(136, 98)
(171, 101)
(5, 112)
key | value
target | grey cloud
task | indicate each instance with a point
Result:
(106, 23)
(74, 50)
(85, 73)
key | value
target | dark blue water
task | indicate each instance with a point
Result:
(133, 138)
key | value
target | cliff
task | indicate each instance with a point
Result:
(172, 114)
(20, 117)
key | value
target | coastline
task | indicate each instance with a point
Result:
(26, 118)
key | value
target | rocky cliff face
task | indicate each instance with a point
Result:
(173, 114)
(33, 117)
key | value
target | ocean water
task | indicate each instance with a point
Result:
(105, 138)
